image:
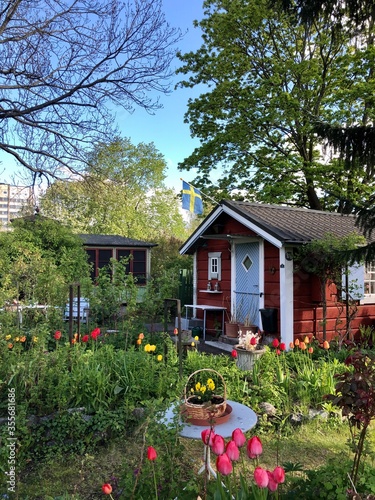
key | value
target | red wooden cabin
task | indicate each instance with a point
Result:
(243, 261)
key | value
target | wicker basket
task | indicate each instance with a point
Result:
(204, 411)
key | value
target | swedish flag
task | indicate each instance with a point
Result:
(191, 198)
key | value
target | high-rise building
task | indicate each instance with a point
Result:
(12, 199)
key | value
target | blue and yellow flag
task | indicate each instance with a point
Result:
(191, 198)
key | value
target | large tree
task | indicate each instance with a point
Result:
(271, 83)
(354, 141)
(64, 67)
(123, 193)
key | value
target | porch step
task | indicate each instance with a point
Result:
(220, 346)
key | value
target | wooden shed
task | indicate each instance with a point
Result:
(244, 265)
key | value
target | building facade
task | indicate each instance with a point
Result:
(12, 200)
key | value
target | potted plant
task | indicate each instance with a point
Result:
(204, 395)
(249, 349)
(234, 315)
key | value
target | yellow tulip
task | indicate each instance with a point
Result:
(8, 337)
(196, 337)
(307, 340)
(159, 357)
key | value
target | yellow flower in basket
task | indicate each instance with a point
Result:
(205, 395)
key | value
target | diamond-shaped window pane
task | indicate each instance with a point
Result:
(247, 262)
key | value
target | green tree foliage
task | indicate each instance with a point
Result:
(123, 193)
(270, 82)
(65, 65)
(39, 259)
(353, 139)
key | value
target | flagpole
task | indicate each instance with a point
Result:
(203, 194)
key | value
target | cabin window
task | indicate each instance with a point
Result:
(214, 266)
(369, 284)
(137, 264)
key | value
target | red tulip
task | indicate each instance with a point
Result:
(253, 341)
(272, 484)
(232, 451)
(254, 447)
(238, 437)
(282, 346)
(95, 333)
(208, 436)
(107, 489)
(261, 477)
(218, 445)
(275, 343)
(57, 335)
(224, 465)
(279, 474)
(85, 338)
(234, 353)
(151, 453)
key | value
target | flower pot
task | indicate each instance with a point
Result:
(231, 330)
(247, 359)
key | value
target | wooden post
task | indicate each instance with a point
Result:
(179, 342)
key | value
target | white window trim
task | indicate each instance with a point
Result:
(211, 275)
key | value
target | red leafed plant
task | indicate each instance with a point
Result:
(355, 395)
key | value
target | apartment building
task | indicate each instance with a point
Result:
(12, 199)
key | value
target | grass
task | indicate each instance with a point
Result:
(81, 477)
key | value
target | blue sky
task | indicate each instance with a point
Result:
(166, 129)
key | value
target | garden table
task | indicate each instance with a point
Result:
(242, 417)
(205, 308)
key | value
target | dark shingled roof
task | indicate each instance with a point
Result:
(110, 240)
(294, 225)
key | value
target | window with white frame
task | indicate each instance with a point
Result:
(214, 266)
(369, 284)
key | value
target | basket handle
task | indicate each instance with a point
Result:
(206, 370)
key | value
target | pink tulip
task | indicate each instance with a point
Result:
(261, 477)
(224, 465)
(254, 447)
(208, 436)
(272, 484)
(238, 437)
(279, 474)
(218, 445)
(232, 451)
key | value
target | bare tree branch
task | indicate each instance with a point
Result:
(65, 65)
